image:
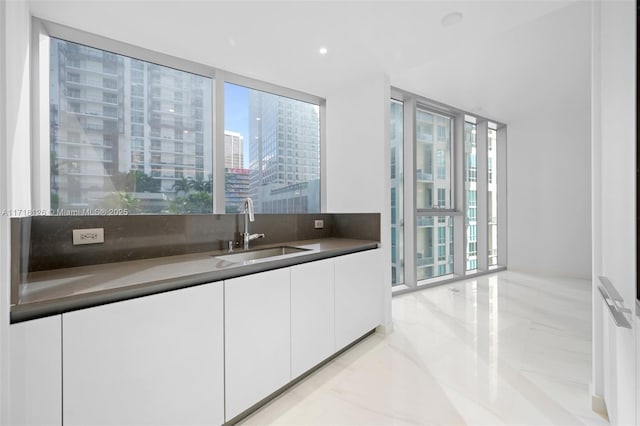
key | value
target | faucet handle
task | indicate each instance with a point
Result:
(230, 245)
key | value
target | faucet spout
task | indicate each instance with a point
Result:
(248, 217)
(248, 208)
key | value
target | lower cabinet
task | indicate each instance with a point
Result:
(154, 360)
(35, 373)
(312, 334)
(257, 338)
(358, 295)
(281, 323)
(195, 356)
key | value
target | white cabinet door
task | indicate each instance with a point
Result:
(155, 360)
(312, 315)
(358, 295)
(35, 372)
(257, 338)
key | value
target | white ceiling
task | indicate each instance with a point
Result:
(278, 41)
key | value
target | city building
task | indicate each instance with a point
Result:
(233, 150)
(118, 116)
(284, 154)
(236, 177)
(236, 189)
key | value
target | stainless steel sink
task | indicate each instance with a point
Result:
(243, 256)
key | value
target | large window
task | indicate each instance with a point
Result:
(434, 233)
(492, 195)
(433, 136)
(470, 188)
(272, 152)
(127, 135)
(454, 158)
(397, 193)
(131, 131)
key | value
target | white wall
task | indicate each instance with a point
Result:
(549, 197)
(14, 153)
(357, 158)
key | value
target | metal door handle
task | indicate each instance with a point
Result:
(614, 302)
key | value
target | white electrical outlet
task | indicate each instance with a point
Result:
(88, 236)
(318, 224)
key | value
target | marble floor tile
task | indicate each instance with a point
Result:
(502, 349)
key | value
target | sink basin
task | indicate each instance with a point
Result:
(243, 256)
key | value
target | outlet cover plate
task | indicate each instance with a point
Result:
(88, 236)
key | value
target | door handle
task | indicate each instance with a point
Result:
(614, 302)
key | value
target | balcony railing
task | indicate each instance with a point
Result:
(424, 177)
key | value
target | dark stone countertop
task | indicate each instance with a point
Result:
(56, 291)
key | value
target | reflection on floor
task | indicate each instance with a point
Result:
(506, 348)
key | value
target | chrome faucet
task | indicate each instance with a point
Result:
(248, 217)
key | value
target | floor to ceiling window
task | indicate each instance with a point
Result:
(397, 193)
(492, 195)
(452, 163)
(434, 232)
(470, 182)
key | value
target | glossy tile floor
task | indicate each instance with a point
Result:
(506, 348)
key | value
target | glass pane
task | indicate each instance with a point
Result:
(397, 214)
(433, 160)
(277, 147)
(470, 182)
(127, 136)
(434, 246)
(492, 199)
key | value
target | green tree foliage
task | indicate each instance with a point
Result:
(193, 196)
(135, 181)
(122, 200)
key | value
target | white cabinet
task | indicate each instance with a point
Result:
(358, 295)
(257, 338)
(312, 322)
(155, 360)
(35, 373)
(200, 355)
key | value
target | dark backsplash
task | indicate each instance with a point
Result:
(45, 242)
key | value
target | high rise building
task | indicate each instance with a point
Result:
(236, 177)
(236, 189)
(284, 154)
(113, 116)
(233, 150)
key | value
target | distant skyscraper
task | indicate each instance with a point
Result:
(236, 189)
(233, 150)
(284, 154)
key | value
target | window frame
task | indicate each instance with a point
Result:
(239, 80)
(459, 202)
(42, 30)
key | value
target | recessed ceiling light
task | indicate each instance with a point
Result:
(451, 19)
(323, 50)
